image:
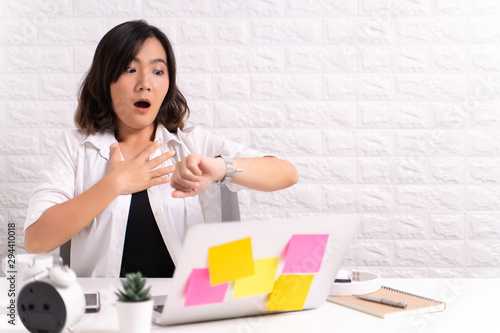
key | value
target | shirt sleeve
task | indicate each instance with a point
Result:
(204, 143)
(57, 179)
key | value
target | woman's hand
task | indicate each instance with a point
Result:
(195, 173)
(139, 173)
(124, 177)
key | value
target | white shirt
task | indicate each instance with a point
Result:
(80, 161)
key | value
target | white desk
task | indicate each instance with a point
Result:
(472, 306)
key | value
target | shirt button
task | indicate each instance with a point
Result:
(158, 212)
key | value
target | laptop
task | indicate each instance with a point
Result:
(229, 270)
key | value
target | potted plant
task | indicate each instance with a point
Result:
(134, 305)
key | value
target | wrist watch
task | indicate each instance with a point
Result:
(230, 171)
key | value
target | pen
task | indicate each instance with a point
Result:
(382, 300)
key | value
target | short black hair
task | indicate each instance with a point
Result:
(113, 55)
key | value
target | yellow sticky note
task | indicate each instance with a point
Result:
(261, 282)
(230, 261)
(289, 292)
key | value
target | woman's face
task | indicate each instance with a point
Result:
(141, 89)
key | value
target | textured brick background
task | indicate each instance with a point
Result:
(388, 108)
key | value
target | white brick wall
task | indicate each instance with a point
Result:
(389, 109)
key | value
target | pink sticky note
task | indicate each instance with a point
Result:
(200, 292)
(305, 253)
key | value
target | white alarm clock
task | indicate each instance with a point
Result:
(50, 299)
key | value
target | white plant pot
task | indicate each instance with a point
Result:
(135, 317)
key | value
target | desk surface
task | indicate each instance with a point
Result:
(472, 306)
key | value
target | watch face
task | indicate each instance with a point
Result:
(41, 308)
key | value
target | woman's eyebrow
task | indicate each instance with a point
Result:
(154, 61)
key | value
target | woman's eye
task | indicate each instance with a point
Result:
(130, 70)
(159, 72)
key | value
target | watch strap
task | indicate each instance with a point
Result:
(230, 171)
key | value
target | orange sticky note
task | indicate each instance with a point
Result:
(231, 261)
(261, 282)
(289, 293)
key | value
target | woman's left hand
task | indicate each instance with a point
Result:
(195, 173)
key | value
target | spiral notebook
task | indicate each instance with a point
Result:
(416, 304)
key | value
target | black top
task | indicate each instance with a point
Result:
(144, 250)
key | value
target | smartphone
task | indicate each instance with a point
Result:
(92, 302)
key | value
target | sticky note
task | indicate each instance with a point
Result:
(289, 292)
(230, 261)
(304, 253)
(261, 282)
(200, 292)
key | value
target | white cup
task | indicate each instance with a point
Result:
(13, 265)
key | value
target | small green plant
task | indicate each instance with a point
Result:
(133, 288)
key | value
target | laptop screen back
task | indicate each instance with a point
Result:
(241, 269)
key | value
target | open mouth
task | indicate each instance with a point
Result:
(142, 104)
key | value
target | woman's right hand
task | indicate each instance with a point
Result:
(139, 173)
(124, 177)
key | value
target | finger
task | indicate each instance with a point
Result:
(182, 184)
(179, 194)
(185, 172)
(144, 155)
(162, 158)
(193, 164)
(160, 172)
(115, 152)
(182, 194)
(158, 181)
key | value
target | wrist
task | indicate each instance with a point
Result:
(113, 184)
(221, 169)
(230, 171)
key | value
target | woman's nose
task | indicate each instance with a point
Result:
(143, 83)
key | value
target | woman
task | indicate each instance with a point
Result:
(105, 186)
